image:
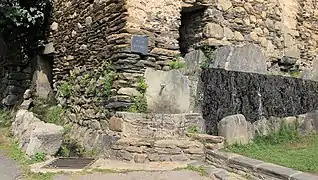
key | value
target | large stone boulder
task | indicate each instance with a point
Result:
(246, 58)
(235, 129)
(35, 136)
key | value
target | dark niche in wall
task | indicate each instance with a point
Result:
(191, 27)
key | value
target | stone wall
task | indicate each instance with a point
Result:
(254, 96)
(284, 29)
(96, 72)
(15, 75)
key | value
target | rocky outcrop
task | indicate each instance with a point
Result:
(35, 136)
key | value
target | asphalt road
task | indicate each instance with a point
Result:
(9, 170)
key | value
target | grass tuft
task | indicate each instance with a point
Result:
(285, 147)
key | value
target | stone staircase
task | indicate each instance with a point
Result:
(160, 137)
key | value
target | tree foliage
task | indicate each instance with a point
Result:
(24, 23)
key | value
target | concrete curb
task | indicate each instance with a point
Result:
(235, 162)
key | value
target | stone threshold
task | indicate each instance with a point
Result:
(238, 163)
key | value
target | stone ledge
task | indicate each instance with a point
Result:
(253, 166)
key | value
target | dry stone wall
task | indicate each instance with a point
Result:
(95, 70)
(255, 96)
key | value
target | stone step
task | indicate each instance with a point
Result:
(141, 150)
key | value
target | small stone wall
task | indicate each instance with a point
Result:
(158, 126)
(15, 75)
(149, 150)
(254, 95)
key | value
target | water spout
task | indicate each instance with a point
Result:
(162, 85)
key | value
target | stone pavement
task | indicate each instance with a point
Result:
(163, 175)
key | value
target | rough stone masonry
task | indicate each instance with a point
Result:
(92, 38)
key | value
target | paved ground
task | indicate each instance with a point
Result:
(9, 170)
(164, 175)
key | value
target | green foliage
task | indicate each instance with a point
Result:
(194, 129)
(140, 105)
(55, 115)
(5, 118)
(294, 73)
(177, 64)
(285, 147)
(24, 25)
(199, 169)
(209, 52)
(66, 89)
(142, 86)
(286, 133)
(38, 157)
(108, 81)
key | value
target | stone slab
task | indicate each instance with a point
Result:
(247, 58)
(277, 171)
(304, 176)
(257, 167)
(246, 162)
(167, 92)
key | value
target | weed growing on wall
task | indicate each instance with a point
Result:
(176, 63)
(140, 102)
(55, 115)
(140, 105)
(209, 52)
(66, 89)
(142, 86)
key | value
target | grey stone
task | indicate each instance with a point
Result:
(116, 124)
(234, 129)
(11, 100)
(180, 157)
(122, 154)
(245, 162)
(128, 92)
(95, 125)
(304, 176)
(88, 21)
(194, 58)
(140, 158)
(167, 92)
(262, 127)
(212, 30)
(27, 94)
(35, 136)
(26, 104)
(46, 138)
(43, 76)
(49, 49)
(247, 58)
(54, 26)
(310, 123)
(276, 171)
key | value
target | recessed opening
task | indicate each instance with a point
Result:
(191, 27)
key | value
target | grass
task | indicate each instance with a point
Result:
(199, 169)
(285, 147)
